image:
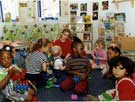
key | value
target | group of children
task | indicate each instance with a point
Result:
(70, 73)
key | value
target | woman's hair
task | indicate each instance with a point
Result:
(68, 31)
(42, 42)
(127, 63)
(115, 49)
(102, 42)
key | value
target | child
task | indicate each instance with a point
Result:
(122, 68)
(37, 62)
(8, 82)
(58, 65)
(99, 56)
(78, 68)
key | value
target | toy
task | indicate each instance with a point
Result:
(105, 97)
(76, 79)
(74, 97)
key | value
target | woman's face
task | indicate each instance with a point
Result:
(111, 54)
(65, 35)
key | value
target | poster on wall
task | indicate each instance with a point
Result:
(74, 6)
(120, 16)
(104, 5)
(83, 7)
(95, 16)
(95, 6)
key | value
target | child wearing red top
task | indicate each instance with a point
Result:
(122, 68)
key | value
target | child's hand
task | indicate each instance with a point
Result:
(82, 76)
(11, 71)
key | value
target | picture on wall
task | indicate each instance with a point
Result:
(95, 6)
(87, 46)
(86, 36)
(73, 13)
(74, 6)
(95, 16)
(83, 13)
(83, 7)
(120, 16)
(104, 5)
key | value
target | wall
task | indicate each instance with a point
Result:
(123, 7)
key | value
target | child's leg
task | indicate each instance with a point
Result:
(67, 84)
(81, 87)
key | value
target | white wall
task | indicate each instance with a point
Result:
(124, 7)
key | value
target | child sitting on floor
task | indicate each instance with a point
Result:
(78, 68)
(11, 77)
(99, 56)
(122, 69)
(58, 65)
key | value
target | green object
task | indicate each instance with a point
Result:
(107, 97)
(89, 76)
(3, 74)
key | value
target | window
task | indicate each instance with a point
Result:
(48, 9)
(10, 10)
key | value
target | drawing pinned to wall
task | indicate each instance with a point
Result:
(83, 14)
(105, 5)
(86, 37)
(73, 13)
(74, 6)
(95, 16)
(87, 47)
(95, 6)
(120, 16)
(83, 7)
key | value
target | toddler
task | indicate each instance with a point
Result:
(99, 56)
(58, 64)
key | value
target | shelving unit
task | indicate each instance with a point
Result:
(120, 1)
(85, 32)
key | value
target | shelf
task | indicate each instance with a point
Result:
(120, 1)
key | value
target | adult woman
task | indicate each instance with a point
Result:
(64, 42)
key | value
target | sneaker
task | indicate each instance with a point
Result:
(56, 85)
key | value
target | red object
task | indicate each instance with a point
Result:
(126, 90)
(66, 46)
(34, 99)
(80, 87)
(19, 75)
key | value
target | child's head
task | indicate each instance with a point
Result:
(99, 44)
(78, 48)
(113, 52)
(56, 51)
(121, 66)
(114, 44)
(6, 57)
(42, 44)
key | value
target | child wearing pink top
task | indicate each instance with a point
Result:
(99, 56)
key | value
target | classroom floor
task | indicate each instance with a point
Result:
(97, 85)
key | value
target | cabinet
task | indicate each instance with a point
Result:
(85, 32)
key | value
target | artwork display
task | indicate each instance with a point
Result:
(83, 7)
(120, 16)
(104, 5)
(95, 16)
(95, 6)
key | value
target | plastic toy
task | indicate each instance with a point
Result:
(74, 97)
(76, 79)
